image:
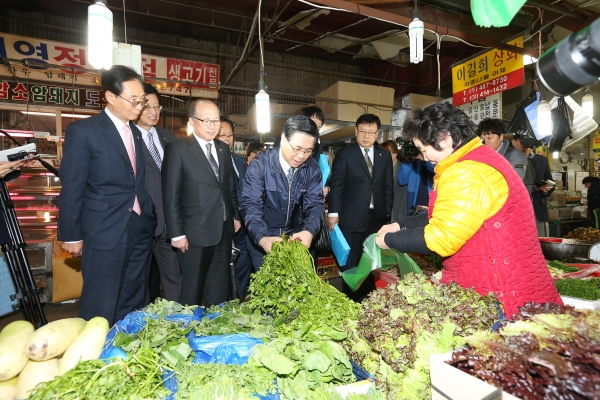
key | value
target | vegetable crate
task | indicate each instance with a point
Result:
(382, 279)
(582, 268)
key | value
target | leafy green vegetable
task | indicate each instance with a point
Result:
(236, 318)
(136, 377)
(164, 308)
(588, 289)
(402, 325)
(223, 382)
(303, 306)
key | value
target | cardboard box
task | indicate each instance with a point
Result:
(365, 99)
(559, 185)
(565, 213)
(456, 384)
(553, 214)
(327, 267)
(559, 198)
(241, 124)
(413, 101)
(578, 214)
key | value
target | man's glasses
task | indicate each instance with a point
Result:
(298, 150)
(209, 122)
(368, 133)
(153, 108)
(135, 103)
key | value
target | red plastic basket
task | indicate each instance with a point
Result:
(382, 279)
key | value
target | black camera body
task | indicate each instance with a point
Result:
(21, 155)
(408, 149)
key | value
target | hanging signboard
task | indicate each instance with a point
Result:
(196, 77)
(487, 107)
(43, 94)
(492, 72)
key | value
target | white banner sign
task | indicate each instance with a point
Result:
(488, 107)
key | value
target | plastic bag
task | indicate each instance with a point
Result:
(339, 246)
(323, 240)
(373, 258)
(226, 349)
(520, 123)
(561, 125)
(324, 167)
(131, 324)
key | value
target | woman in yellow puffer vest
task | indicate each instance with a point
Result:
(480, 215)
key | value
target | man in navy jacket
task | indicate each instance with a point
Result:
(280, 185)
(106, 215)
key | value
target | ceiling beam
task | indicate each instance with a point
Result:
(405, 21)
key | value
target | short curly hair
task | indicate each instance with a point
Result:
(428, 124)
(491, 125)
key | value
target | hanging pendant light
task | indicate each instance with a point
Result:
(100, 27)
(544, 118)
(415, 32)
(587, 103)
(263, 108)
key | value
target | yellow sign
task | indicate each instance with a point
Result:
(597, 142)
(487, 66)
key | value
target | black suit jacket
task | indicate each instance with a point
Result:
(351, 186)
(153, 179)
(193, 197)
(98, 184)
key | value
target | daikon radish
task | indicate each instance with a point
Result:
(87, 346)
(35, 372)
(13, 339)
(8, 389)
(53, 339)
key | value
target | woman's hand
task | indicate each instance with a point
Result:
(6, 167)
(380, 241)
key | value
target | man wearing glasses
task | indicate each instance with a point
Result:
(106, 215)
(164, 256)
(201, 207)
(361, 192)
(280, 185)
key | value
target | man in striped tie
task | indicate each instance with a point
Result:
(164, 266)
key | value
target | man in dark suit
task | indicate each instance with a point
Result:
(105, 212)
(361, 191)
(243, 265)
(164, 256)
(201, 207)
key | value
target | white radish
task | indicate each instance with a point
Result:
(53, 339)
(13, 339)
(87, 346)
(34, 373)
(8, 389)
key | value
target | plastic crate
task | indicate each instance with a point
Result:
(382, 279)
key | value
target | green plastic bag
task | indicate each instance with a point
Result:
(496, 13)
(375, 258)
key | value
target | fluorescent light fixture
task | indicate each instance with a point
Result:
(100, 27)
(19, 133)
(54, 115)
(263, 112)
(527, 59)
(587, 103)
(555, 155)
(269, 143)
(415, 32)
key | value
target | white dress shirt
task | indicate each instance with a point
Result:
(284, 165)
(155, 139)
(371, 154)
(213, 151)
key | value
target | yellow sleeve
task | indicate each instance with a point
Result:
(468, 193)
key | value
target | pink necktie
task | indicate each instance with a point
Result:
(131, 153)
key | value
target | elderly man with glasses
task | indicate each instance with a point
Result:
(106, 214)
(201, 207)
(282, 184)
(361, 193)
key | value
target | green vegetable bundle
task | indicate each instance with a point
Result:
(558, 269)
(223, 382)
(304, 306)
(588, 289)
(236, 318)
(137, 377)
(303, 368)
(402, 325)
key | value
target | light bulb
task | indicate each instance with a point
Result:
(555, 155)
(544, 119)
(527, 59)
(263, 112)
(100, 27)
(587, 103)
(415, 32)
(46, 216)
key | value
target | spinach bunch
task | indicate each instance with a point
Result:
(236, 318)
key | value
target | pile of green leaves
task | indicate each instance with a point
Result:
(402, 325)
(539, 356)
(236, 318)
(302, 368)
(136, 377)
(558, 269)
(303, 306)
(588, 289)
(166, 338)
(223, 382)
(163, 308)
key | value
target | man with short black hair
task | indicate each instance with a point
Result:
(252, 150)
(492, 132)
(105, 212)
(592, 184)
(362, 191)
(285, 175)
